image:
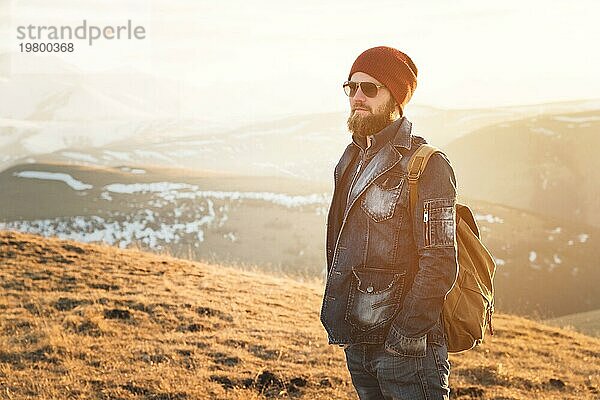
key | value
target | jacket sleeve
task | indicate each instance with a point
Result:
(434, 232)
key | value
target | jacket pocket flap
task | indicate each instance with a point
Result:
(376, 280)
(390, 181)
(440, 209)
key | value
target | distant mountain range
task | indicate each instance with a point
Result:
(546, 164)
(126, 116)
(585, 322)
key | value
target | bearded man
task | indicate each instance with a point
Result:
(389, 270)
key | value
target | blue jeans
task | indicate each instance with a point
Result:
(378, 374)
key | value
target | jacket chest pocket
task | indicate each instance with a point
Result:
(380, 199)
(374, 296)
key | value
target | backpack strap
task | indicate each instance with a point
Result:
(416, 166)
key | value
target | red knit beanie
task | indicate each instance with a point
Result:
(392, 68)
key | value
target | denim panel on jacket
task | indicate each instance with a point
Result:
(388, 271)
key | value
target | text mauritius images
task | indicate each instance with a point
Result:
(83, 32)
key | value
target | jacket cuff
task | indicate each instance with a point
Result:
(400, 345)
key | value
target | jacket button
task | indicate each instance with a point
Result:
(370, 289)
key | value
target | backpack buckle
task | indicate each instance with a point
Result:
(414, 176)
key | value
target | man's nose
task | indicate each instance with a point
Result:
(360, 95)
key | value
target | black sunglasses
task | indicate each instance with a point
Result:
(370, 89)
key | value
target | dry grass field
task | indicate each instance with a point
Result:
(97, 322)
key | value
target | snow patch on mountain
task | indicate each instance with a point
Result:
(56, 176)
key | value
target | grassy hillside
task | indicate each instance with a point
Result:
(91, 321)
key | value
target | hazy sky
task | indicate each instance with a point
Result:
(285, 57)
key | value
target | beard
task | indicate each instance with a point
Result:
(366, 125)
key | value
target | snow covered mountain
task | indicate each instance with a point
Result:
(65, 108)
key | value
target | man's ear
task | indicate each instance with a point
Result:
(397, 111)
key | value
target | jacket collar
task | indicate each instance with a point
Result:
(403, 136)
(385, 159)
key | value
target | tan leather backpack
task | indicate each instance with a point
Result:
(469, 305)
